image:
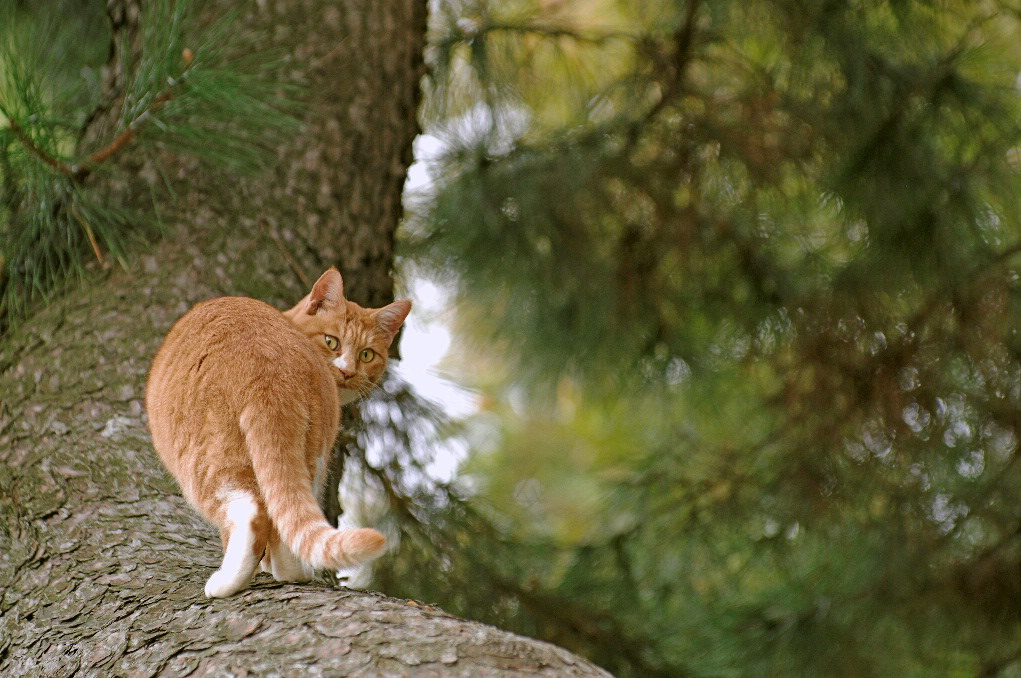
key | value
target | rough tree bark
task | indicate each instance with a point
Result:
(101, 561)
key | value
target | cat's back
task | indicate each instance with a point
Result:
(228, 319)
(239, 326)
(224, 350)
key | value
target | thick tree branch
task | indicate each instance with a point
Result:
(101, 561)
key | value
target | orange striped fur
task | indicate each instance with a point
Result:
(244, 406)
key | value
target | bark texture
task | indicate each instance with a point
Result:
(102, 563)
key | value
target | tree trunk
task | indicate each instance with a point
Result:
(102, 563)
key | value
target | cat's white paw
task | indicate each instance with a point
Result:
(284, 566)
(292, 573)
(223, 584)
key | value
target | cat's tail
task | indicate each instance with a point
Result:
(281, 472)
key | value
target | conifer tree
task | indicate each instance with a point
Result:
(740, 284)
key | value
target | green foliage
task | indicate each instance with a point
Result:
(188, 88)
(222, 103)
(740, 282)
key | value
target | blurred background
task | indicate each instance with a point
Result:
(715, 365)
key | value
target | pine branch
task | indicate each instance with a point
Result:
(472, 31)
(34, 148)
(682, 40)
(80, 172)
(213, 102)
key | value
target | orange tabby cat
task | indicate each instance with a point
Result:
(244, 405)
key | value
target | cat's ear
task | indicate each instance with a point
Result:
(326, 293)
(391, 317)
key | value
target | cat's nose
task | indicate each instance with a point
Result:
(345, 367)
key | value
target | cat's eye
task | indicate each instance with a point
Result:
(366, 355)
(331, 342)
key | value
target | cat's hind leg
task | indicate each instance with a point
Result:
(282, 563)
(245, 528)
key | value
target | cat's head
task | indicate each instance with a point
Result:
(355, 341)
